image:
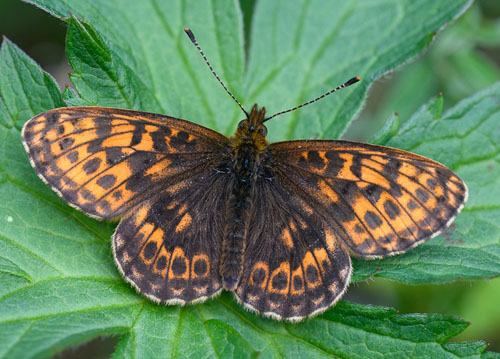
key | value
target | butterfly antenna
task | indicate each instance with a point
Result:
(193, 40)
(345, 84)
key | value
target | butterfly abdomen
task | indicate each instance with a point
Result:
(244, 172)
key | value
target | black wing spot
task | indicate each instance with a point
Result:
(52, 118)
(280, 281)
(159, 143)
(373, 192)
(315, 160)
(106, 181)
(431, 183)
(66, 143)
(312, 274)
(180, 140)
(92, 165)
(372, 219)
(87, 195)
(179, 266)
(72, 156)
(258, 276)
(200, 267)
(161, 263)
(103, 130)
(358, 229)
(391, 209)
(297, 282)
(150, 250)
(117, 195)
(137, 135)
(335, 163)
(113, 155)
(422, 195)
(412, 205)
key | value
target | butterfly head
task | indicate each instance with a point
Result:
(252, 130)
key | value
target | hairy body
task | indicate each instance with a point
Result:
(248, 146)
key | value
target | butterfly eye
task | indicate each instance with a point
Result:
(241, 125)
(263, 130)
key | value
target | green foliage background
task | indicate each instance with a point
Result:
(58, 284)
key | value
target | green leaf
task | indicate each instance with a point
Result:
(99, 77)
(456, 65)
(307, 49)
(389, 130)
(19, 102)
(58, 283)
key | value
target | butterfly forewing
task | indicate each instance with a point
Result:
(380, 200)
(104, 161)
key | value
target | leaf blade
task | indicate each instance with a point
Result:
(76, 252)
(367, 39)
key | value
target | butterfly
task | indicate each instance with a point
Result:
(275, 223)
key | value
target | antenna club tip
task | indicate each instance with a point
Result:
(189, 33)
(352, 81)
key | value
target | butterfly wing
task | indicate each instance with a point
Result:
(169, 247)
(152, 170)
(379, 200)
(104, 161)
(294, 266)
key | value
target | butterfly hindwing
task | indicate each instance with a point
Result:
(169, 247)
(104, 161)
(294, 264)
(381, 201)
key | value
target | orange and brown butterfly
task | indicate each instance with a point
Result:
(274, 223)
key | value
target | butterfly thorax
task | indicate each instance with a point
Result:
(248, 143)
